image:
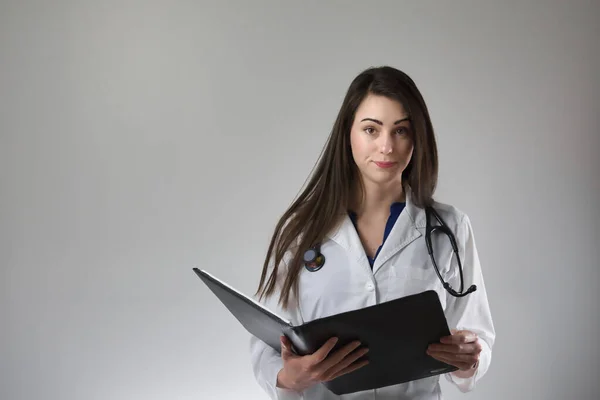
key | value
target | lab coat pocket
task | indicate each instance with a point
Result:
(416, 276)
(416, 279)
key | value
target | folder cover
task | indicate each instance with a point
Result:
(396, 332)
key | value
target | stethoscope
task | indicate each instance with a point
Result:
(314, 259)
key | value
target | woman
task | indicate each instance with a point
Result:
(365, 207)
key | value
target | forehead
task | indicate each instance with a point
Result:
(382, 108)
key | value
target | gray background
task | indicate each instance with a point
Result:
(140, 139)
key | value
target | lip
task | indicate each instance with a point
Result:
(385, 164)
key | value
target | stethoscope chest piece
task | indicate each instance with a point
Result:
(313, 259)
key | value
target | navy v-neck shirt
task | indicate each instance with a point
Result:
(395, 210)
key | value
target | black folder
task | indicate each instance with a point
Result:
(396, 332)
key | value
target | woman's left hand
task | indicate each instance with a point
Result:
(461, 349)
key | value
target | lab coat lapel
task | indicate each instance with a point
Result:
(408, 227)
(346, 236)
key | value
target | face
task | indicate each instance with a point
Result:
(381, 140)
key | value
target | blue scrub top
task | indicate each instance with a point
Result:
(395, 210)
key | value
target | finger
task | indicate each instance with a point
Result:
(468, 358)
(460, 337)
(448, 360)
(286, 347)
(467, 348)
(350, 368)
(455, 359)
(347, 361)
(449, 337)
(338, 356)
(319, 355)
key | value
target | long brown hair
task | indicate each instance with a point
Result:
(329, 192)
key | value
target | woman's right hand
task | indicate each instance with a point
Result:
(301, 372)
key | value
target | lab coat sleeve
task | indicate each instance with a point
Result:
(267, 362)
(471, 312)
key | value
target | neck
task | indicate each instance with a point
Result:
(378, 198)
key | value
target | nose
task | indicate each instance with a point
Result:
(386, 145)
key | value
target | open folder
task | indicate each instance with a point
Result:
(396, 332)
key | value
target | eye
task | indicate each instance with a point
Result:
(369, 130)
(401, 131)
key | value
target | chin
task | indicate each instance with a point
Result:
(385, 180)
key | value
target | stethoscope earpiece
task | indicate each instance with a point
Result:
(313, 259)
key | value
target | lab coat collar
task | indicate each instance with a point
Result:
(407, 229)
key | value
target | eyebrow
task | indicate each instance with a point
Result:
(381, 123)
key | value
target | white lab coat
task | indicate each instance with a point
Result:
(403, 267)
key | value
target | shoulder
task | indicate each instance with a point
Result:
(456, 219)
(451, 214)
(450, 211)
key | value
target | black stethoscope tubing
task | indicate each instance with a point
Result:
(314, 259)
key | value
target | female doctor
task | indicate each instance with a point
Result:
(356, 237)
